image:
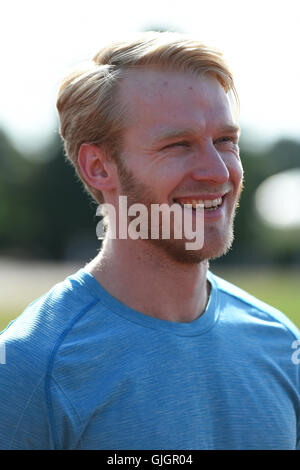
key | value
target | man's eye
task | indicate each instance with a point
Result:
(227, 139)
(178, 144)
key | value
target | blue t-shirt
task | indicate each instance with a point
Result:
(84, 371)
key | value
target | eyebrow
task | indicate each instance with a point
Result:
(231, 128)
(168, 134)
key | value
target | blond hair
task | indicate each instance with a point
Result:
(88, 109)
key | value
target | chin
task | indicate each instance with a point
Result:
(214, 247)
(219, 245)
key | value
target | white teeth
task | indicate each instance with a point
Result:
(207, 203)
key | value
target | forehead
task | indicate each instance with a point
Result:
(155, 98)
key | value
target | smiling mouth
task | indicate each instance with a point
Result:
(207, 204)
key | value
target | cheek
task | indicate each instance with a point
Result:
(167, 175)
(236, 171)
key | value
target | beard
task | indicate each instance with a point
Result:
(220, 241)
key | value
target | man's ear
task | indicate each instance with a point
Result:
(96, 169)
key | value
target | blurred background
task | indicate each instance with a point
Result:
(48, 223)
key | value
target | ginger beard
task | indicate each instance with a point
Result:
(217, 240)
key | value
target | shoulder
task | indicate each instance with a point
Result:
(31, 338)
(29, 346)
(258, 310)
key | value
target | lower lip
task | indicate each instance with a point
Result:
(213, 213)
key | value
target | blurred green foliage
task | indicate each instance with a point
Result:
(45, 212)
(43, 208)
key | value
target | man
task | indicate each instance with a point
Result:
(144, 348)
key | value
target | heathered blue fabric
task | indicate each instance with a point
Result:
(84, 371)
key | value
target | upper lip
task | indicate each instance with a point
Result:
(202, 197)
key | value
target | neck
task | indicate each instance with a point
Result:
(148, 281)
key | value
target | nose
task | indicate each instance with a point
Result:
(210, 166)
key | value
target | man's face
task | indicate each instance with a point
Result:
(181, 145)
